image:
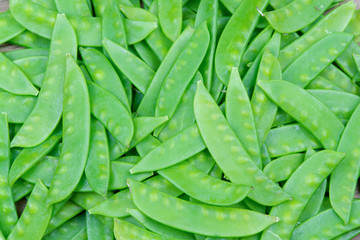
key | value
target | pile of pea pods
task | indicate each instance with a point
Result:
(180, 119)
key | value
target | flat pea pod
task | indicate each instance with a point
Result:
(342, 189)
(208, 220)
(280, 169)
(240, 116)
(29, 157)
(148, 103)
(231, 45)
(104, 74)
(20, 189)
(349, 235)
(136, 31)
(331, 224)
(296, 15)
(136, 13)
(346, 61)
(185, 144)
(41, 20)
(124, 230)
(48, 109)
(73, 8)
(335, 21)
(19, 83)
(30, 39)
(27, 52)
(113, 115)
(322, 83)
(353, 26)
(97, 168)
(76, 134)
(17, 107)
(69, 229)
(312, 172)
(190, 180)
(231, 5)
(314, 60)
(170, 17)
(81, 235)
(229, 153)
(88, 200)
(113, 24)
(182, 72)
(36, 216)
(157, 227)
(12, 29)
(33, 67)
(96, 230)
(44, 170)
(290, 139)
(140, 74)
(8, 215)
(147, 54)
(315, 116)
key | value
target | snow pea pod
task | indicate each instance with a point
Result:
(113, 26)
(229, 153)
(73, 8)
(16, 107)
(211, 221)
(231, 45)
(12, 29)
(20, 189)
(322, 83)
(47, 111)
(96, 230)
(30, 39)
(33, 67)
(280, 169)
(147, 54)
(170, 17)
(315, 116)
(76, 134)
(69, 229)
(27, 52)
(346, 61)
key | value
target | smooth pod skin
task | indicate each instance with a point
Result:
(27, 52)
(331, 224)
(315, 116)
(229, 153)
(280, 169)
(97, 230)
(113, 115)
(13, 28)
(335, 21)
(33, 67)
(231, 45)
(312, 173)
(35, 218)
(137, 13)
(342, 189)
(178, 148)
(97, 169)
(13, 80)
(137, 31)
(76, 134)
(197, 218)
(16, 107)
(322, 83)
(69, 229)
(104, 74)
(30, 39)
(147, 54)
(314, 60)
(240, 116)
(139, 73)
(113, 25)
(296, 15)
(48, 109)
(346, 60)
(20, 189)
(73, 8)
(29, 157)
(170, 17)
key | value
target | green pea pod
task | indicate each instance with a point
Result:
(346, 61)
(280, 169)
(322, 83)
(33, 67)
(137, 31)
(170, 17)
(76, 134)
(296, 15)
(81, 7)
(349, 235)
(315, 116)
(69, 229)
(20, 189)
(231, 5)
(13, 28)
(48, 109)
(138, 14)
(212, 221)
(312, 173)
(30, 39)
(27, 52)
(96, 230)
(88, 200)
(44, 171)
(36, 216)
(81, 235)
(113, 25)
(16, 107)
(229, 153)
(147, 54)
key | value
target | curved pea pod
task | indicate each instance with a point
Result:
(12, 29)
(203, 187)
(16, 107)
(20, 189)
(104, 74)
(335, 21)
(314, 60)
(76, 134)
(348, 235)
(13, 79)
(331, 224)
(41, 21)
(296, 15)
(36, 216)
(70, 8)
(30, 39)
(312, 173)
(264, 109)
(240, 116)
(182, 72)
(88, 200)
(353, 26)
(27, 52)
(137, 31)
(346, 60)
(178, 148)
(229, 153)
(113, 26)
(97, 230)
(69, 229)
(33, 67)
(170, 17)
(196, 218)
(147, 54)
(280, 169)
(343, 179)
(140, 74)
(113, 115)
(148, 103)
(322, 83)
(232, 43)
(29, 157)
(47, 111)
(315, 116)
(137, 13)
(290, 139)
